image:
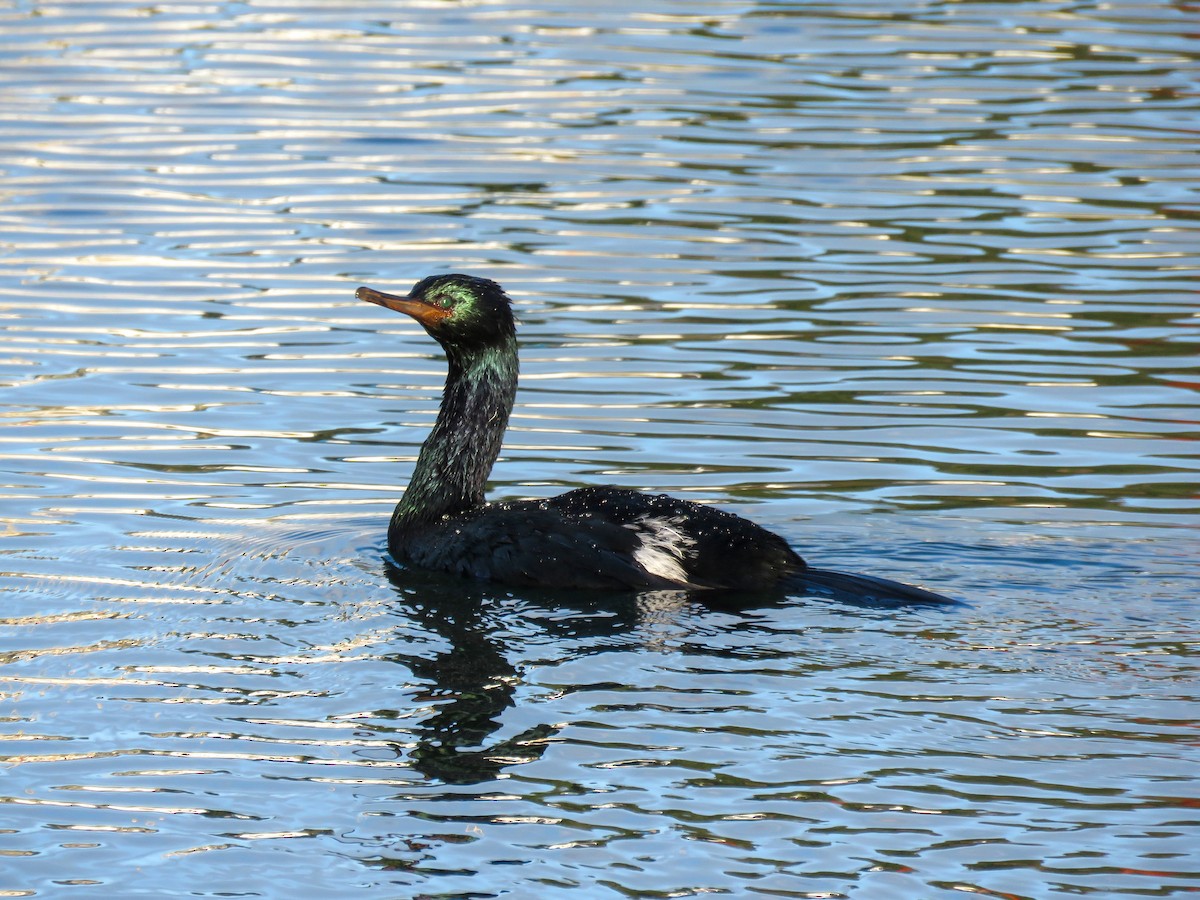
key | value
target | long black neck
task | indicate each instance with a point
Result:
(457, 457)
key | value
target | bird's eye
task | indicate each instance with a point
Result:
(444, 298)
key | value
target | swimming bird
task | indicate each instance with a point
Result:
(603, 537)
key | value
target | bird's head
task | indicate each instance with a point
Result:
(461, 312)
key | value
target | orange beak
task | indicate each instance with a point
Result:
(428, 314)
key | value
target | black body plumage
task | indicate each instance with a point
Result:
(605, 538)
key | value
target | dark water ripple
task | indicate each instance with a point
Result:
(914, 285)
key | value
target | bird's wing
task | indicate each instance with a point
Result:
(534, 543)
(700, 545)
(608, 538)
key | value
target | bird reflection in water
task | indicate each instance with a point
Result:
(471, 682)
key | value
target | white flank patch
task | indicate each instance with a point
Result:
(663, 547)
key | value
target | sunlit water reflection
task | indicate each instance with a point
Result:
(913, 286)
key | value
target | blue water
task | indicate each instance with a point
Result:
(913, 285)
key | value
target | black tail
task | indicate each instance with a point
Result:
(848, 588)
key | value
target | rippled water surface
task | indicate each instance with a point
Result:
(911, 283)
